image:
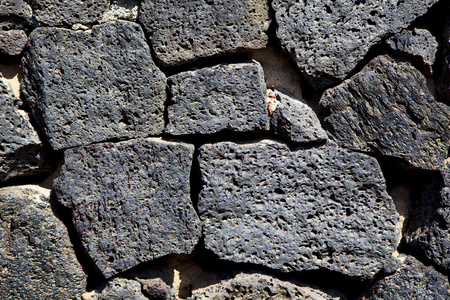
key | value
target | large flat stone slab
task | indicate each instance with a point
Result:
(184, 31)
(130, 201)
(221, 98)
(297, 209)
(327, 39)
(386, 109)
(37, 260)
(92, 86)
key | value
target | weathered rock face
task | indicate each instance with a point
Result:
(412, 281)
(296, 209)
(14, 14)
(86, 87)
(225, 97)
(120, 289)
(296, 121)
(386, 109)
(67, 13)
(184, 31)
(443, 85)
(418, 44)
(21, 151)
(130, 201)
(12, 42)
(327, 39)
(121, 9)
(37, 260)
(256, 286)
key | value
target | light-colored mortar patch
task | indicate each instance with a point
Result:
(121, 9)
(11, 75)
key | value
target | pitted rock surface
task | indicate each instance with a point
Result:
(297, 209)
(418, 44)
(130, 201)
(327, 39)
(120, 289)
(67, 13)
(184, 31)
(21, 151)
(412, 281)
(386, 109)
(295, 121)
(12, 42)
(14, 14)
(443, 85)
(225, 97)
(86, 87)
(37, 260)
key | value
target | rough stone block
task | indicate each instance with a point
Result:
(184, 31)
(37, 260)
(119, 289)
(86, 87)
(130, 201)
(14, 14)
(12, 42)
(327, 39)
(386, 109)
(297, 209)
(225, 97)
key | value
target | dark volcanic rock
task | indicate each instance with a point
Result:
(412, 281)
(14, 14)
(225, 97)
(418, 44)
(387, 109)
(21, 151)
(12, 42)
(183, 31)
(120, 289)
(130, 201)
(86, 87)
(64, 13)
(296, 121)
(37, 260)
(297, 209)
(443, 85)
(327, 39)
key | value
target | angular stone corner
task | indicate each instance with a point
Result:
(418, 44)
(412, 281)
(184, 31)
(21, 151)
(12, 42)
(119, 288)
(86, 87)
(67, 13)
(295, 121)
(297, 209)
(130, 201)
(327, 39)
(14, 14)
(37, 260)
(229, 97)
(386, 109)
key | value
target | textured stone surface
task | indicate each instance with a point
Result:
(443, 85)
(67, 13)
(327, 39)
(183, 31)
(412, 281)
(37, 260)
(225, 97)
(296, 209)
(387, 109)
(130, 200)
(21, 151)
(296, 121)
(257, 286)
(14, 14)
(418, 44)
(157, 289)
(12, 42)
(121, 9)
(86, 87)
(120, 289)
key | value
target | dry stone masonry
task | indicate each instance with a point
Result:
(224, 149)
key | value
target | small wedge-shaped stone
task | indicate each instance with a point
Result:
(120, 289)
(183, 31)
(37, 260)
(93, 86)
(130, 201)
(386, 109)
(327, 39)
(297, 209)
(295, 121)
(225, 97)
(67, 13)
(412, 281)
(21, 151)
(12, 42)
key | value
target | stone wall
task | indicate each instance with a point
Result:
(224, 149)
